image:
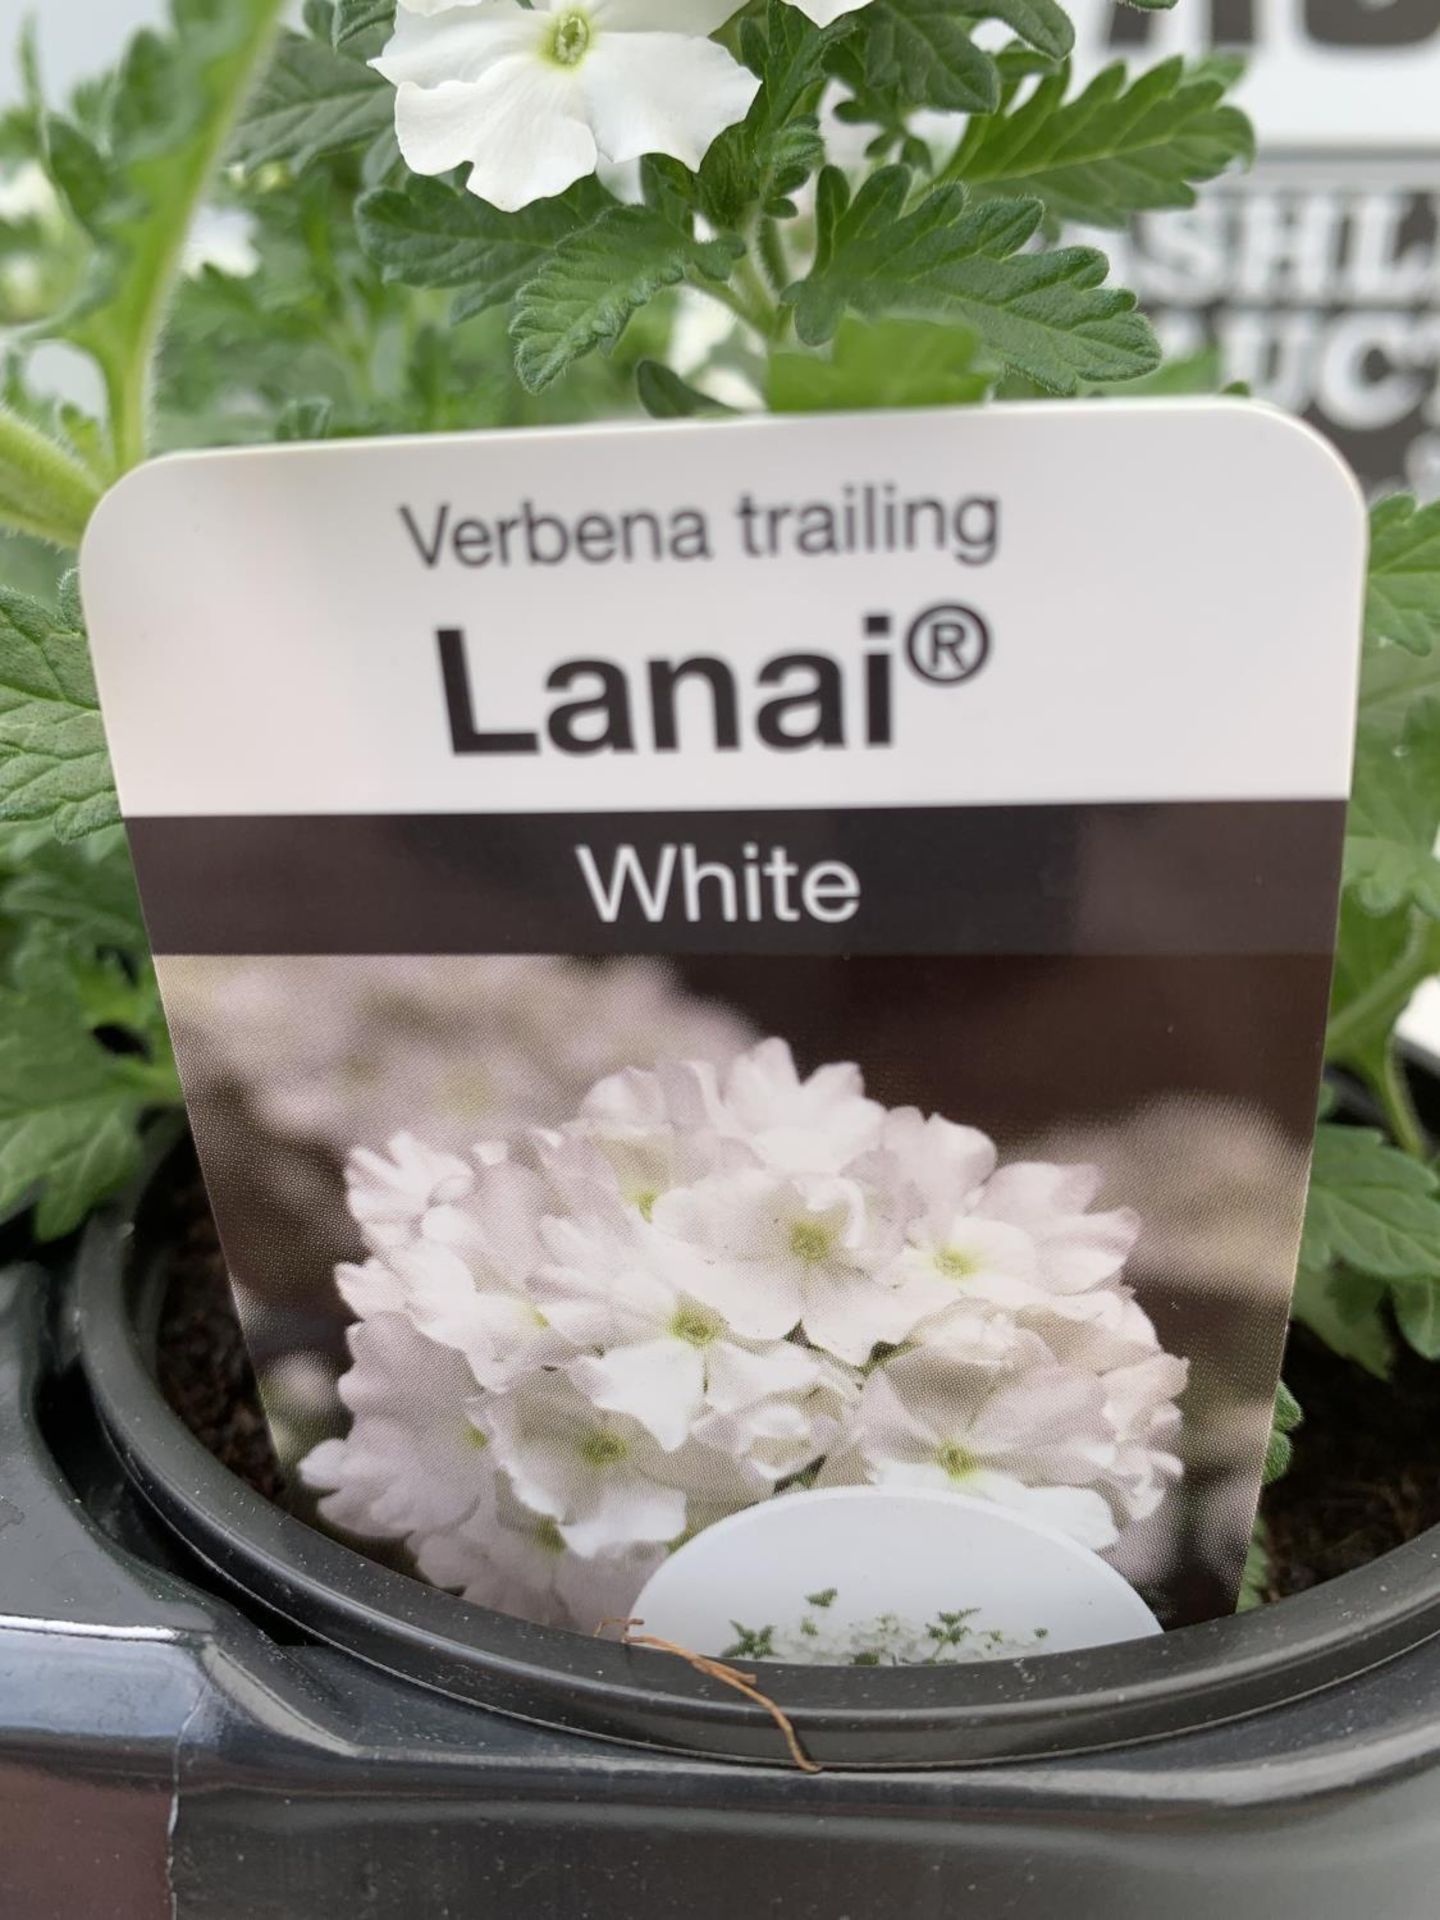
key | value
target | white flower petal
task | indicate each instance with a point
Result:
(849, 1314)
(629, 1511)
(826, 12)
(447, 41)
(661, 1384)
(738, 1377)
(661, 16)
(661, 93)
(519, 127)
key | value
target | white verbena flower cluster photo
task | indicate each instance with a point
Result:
(576, 1347)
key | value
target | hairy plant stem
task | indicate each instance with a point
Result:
(764, 310)
(128, 373)
(44, 489)
(1386, 997)
(1399, 1109)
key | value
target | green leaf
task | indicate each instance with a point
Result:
(888, 363)
(1042, 24)
(665, 396)
(1347, 1312)
(1395, 816)
(1045, 314)
(1287, 1418)
(922, 49)
(53, 761)
(430, 234)
(171, 113)
(1371, 1207)
(1417, 1312)
(593, 282)
(769, 156)
(361, 27)
(1117, 149)
(312, 101)
(70, 1107)
(1373, 985)
(1402, 607)
(86, 890)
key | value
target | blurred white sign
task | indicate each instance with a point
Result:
(1324, 73)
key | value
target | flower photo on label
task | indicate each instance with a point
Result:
(716, 1286)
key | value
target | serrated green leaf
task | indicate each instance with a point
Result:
(86, 890)
(1402, 606)
(1117, 149)
(665, 396)
(1045, 314)
(53, 761)
(430, 234)
(1395, 816)
(70, 1108)
(775, 150)
(1417, 1313)
(888, 363)
(170, 115)
(585, 294)
(922, 49)
(1042, 24)
(312, 101)
(1347, 1312)
(1371, 1207)
(361, 27)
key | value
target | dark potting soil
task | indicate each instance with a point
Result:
(1366, 1472)
(1365, 1476)
(204, 1369)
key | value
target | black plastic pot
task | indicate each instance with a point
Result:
(344, 1740)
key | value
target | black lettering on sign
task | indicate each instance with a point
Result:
(1364, 23)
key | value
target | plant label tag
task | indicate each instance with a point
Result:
(722, 963)
(886, 1577)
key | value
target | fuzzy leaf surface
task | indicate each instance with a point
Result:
(1402, 605)
(53, 760)
(1047, 315)
(1117, 149)
(1371, 1207)
(585, 294)
(1395, 816)
(777, 147)
(430, 234)
(70, 1108)
(312, 101)
(1347, 1312)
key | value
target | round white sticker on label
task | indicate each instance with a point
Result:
(887, 1576)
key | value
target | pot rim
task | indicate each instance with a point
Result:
(1049, 1706)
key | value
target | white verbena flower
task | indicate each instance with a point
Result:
(777, 1252)
(713, 1285)
(519, 1562)
(601, 1477)
(533, 99)
(1037, 1440)
(663, 1357)
(413, 1462)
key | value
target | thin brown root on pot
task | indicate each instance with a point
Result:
(728, 1676)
